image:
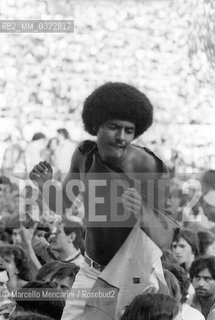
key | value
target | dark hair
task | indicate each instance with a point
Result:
(72, 226)
(120, 101)
(65, 270)
(201, 263)
(151, 307)
(27, 315)
(49, 307)
(208, 179)
(182, 276)
(168, 257)
(38, 136)
(205, 240)
(64, 132)
(3, 267)
(5, 180)
(50, 142)
(172, 284)
(20, 259)
(48, 269)
(190, 236)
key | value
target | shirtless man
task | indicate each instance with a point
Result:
(116, 113)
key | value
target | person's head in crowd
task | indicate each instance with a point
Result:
(152, 307)
(66, 239)
(168, 257)
(62, 134)
(38, 136)
(202, 275)
(185, 247)
(27, 315)
(208, 181)
(4, 278)
(6, 203)
(64, 276)
(46, 271)
(18, 204)
(16, 237)
(6, 305)
(49, 307)
(17, 265)
(12, 230)
(117, 101)
(208, 204)
(172, 284)
(5, 185)
(182, 277)
(52, 144)
(206, 243)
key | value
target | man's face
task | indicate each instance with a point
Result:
(210, 251)
(16, 237)
(204, 284)
(3, 285)
(58, 238)
(183, 252)
(113, 139)
(11, 265)
(209, 211)
(64, 284)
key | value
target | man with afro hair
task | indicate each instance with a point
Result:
(119, 181)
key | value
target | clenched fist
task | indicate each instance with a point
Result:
(41, 173)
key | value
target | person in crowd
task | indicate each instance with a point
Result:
(52, 306)
(208, 206)
(185, 247)
(152, 306)
(47, 270)
(202, 275)
(50, 155)
(208, 181)
(63, 152)
(6, 196)
(12, 155)
(27, 315)
(168, 257)
(50, 152)
(35, 148)
(66, 241)
(202, 214)
(173, 285)
(206, 243)
(116, 113)
(17, 265)
(187, 312)
(6, 305)
(64, 276)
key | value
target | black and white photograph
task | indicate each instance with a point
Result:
(107, 160)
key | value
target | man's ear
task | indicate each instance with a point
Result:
(72, 237)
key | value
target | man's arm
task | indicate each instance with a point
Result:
(57, 196)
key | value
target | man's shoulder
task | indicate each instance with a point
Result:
(147, 159)
(80, 155)
(86, 146)
(189, 312)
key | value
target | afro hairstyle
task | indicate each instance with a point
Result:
(119, 101)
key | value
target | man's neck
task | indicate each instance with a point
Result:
(206, 304)
(68, 252)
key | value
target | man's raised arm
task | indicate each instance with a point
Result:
(58, 196)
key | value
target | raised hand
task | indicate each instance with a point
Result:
(132, 201)
(41, 173)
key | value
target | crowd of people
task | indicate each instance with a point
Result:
(157, 263)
